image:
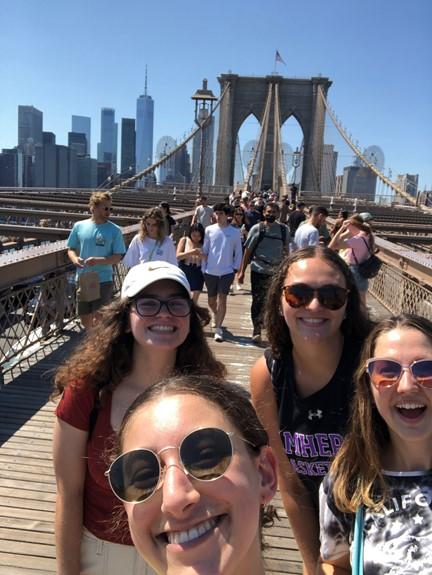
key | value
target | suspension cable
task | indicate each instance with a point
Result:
(362, 157)
(174, 151)
(251, 164)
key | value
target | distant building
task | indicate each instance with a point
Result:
(208, 155)
(359, 182)
(328, 171)
(144, 130)
(78, 141)
(128, 146)
(87, 172)
(183, 166)
(338, 186)
(30, 121)
(11, 168)
(408, 183)
(82, 125)
(107, 147)
(45, 165)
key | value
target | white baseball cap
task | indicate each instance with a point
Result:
(142, 275)
(366, 216)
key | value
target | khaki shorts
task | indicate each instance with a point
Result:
(87, 307)
(99, 557)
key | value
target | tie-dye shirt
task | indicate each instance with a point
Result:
(397, 540)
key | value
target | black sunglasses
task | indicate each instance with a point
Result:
(205, 455)
(386, 372)
(329, 296)
(106, 209)
(150, 306)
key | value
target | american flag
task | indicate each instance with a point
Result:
(278, 58)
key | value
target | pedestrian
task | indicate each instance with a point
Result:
(223, 251)
(266, 246)
(95, 244)
(381, 478)
(239, 221)
(169, 222)
(151, 243)
(203, 213)
(153, 331)
(296, 217)
(196, 475)
(308, 234)
(302, 386)
(190, 257)
(356, 238)
(255, 213)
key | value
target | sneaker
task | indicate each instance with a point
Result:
(213, 322)
(218, 336)
(256, 338)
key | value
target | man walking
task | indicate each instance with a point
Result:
(267, 243)
(203, 214)
(307, 234)
(222, 246)
(95, 244)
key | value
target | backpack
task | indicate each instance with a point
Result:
(283, 230)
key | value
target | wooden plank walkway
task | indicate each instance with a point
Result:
(27, 486)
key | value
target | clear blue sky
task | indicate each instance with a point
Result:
(75, 57)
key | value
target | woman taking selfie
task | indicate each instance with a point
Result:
(195, 474)
(153, 331)
(302, 386)
(383, 471)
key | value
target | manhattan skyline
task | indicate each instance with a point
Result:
(375, 54)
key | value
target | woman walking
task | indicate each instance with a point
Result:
(190, 257)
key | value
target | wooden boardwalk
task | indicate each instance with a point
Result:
(27, 486)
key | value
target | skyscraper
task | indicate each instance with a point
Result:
(107, 148)
(359, 182)
(144, 130)
(128, 146)
(29, 129)
(82, 125)
(78, 142)
(328, 170)
(207, 147)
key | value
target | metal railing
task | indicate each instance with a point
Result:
(401, 294)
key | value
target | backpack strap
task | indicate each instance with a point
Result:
(262, 232)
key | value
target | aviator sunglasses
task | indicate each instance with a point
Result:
(386, 372)
(329, 296)
(205, 455)
(150, 306)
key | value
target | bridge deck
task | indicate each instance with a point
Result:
(27, 486)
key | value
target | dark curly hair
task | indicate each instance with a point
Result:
(356, 325)
(104, 358)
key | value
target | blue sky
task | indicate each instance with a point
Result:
(75, 57)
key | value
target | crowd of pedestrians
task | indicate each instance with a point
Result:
(164, 467)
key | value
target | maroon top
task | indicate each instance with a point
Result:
(100, 504)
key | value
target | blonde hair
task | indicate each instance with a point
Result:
(98, 197)
(155, 214)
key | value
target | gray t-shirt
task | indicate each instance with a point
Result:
(204, 215)
(269, 251)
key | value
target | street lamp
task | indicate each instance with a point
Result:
(204, 99)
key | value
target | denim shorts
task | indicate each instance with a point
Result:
(99, 557)
(218, 284)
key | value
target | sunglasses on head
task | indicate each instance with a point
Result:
(150, 306)
(329, 296)
(205, 455)
(387, 372)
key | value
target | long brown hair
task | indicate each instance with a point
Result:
(155, 214)
(355, 325)
(357, 467)
(358, 222)
(104, 358)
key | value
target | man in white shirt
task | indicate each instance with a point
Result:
(307, 234)
(222, 246)
(203, 214)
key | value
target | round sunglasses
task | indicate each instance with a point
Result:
(387, 372)
(205, 455)
(151, 306)
(329, 296)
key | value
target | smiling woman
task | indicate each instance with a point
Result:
(195, 474)
(302, 386)
(383, 471)
(153, 331)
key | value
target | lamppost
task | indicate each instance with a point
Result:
(204, 99)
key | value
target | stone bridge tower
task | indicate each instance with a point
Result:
(298, 98)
